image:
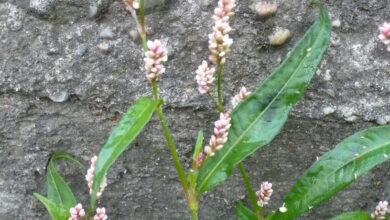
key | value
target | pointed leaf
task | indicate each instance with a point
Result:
(338, 168)
(198, 148)
(258, 119)
(123, 134)
(55, 211)
(243, 213)
(356, 215)
(58, 190)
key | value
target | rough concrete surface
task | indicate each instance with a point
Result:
(69, 69)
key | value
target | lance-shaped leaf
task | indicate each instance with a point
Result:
(58, 190)
(243, 213)
(356, 215)
(258, 119)
(336, 169)
(55, 211)
(123, 134)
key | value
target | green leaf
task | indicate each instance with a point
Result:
(58, 190)
(198, 148)
(244, 213)
(258, 119)
(123, 134)
(55, 211)
(336, 169)
(356, 215)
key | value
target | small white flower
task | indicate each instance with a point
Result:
(136, 4)
(283, 209)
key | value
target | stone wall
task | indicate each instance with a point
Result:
(69, 69)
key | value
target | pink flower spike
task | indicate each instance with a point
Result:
(220, 134)
(380, 211)
(154, 59)
(100, 214)
(264, 194)
(204, 77)
(384, 35)
(219, 40)
(76, 212)
(240, 97)
(89, 178)
(199, 160)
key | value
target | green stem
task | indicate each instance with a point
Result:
(252, 195)
(170, 142)
(219, 84)
(142, 23)
(190, 196)
(248, 185)
(218, 106)
(194, 214)
(140, 26)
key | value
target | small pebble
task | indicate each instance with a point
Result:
(107, 33)
(279, 37)
(383, 120)
(351, 118)
(336, 23)
(60, 96)
(327, 76)
(134, 34)
(82, 50)
(104, 47)
(328, 110)
(265, 9)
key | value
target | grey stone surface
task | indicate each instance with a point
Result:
(69, 69)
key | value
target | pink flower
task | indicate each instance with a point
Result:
(89, 178)
(204, 77)
(219, 40)
(199, 160)
(76, 212)
(224, 10)
(100, 214)
(131, 4)
(220, 134)
(380, 211)
(264, 194)
(240, 97)
(384, 35)
(154, 59)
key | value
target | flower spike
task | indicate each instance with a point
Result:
(384, 35)
(89, 178)
(77, 212)
(154, 59)
(100, 214)
(204, 77)
(380, 211)
(220, 134)
(240, 96)
(264, 194)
